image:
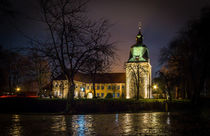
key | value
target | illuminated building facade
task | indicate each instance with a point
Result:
(105, 83)
(138, 70)
(120, 85)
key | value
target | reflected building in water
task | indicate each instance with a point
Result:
(155, 123)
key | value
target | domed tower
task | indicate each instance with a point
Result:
(138, 70)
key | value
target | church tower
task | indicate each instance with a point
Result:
(138, 70)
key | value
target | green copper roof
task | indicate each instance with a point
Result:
(138, 51)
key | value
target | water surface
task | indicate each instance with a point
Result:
(154, 123)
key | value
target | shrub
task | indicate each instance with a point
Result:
(161, 96)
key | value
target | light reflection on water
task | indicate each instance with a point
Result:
(127, 123)
(116, 118)
(155, 123)
(168, 119)
(15, 129)
(82, 125)
(58, 124)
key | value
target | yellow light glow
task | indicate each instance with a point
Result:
(155, 86)
(18, 89)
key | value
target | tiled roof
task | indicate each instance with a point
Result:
(100, 78)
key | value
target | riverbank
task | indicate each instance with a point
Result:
(85, 106)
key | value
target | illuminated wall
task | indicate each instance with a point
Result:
(60, 89)
(144, 69)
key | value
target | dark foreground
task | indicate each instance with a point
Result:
(153, 123)
(87, 106)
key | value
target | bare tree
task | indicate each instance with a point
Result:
(16, 69)
(73, 39)
(137, 75)
(168, 81)
(187, 55)
(100, 62)
(40, 70)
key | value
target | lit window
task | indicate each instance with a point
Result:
(118, 94)
(102, 87)
(109, 87)
(118, 87)
(98, 87)
(102, 94)
(113, 95)
(82, 89)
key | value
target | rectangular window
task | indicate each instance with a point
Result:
(123, 87)
(98, 87)
(102, 94)
(102, 87)
(56, 85)
(98, 94)
(109, 87)
(82, 89)
(118, 94)
(118, 87)
(113, 87)
(113, 95)
(87, 87)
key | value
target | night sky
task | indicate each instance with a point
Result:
(161, 20)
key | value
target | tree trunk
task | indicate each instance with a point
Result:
(137, 97)
(94, 90)
(194, 97)
(198, 90)
(70, 97)
(169, 93)
(138, 81)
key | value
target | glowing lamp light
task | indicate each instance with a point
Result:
(89, 95)
(155, 86)
(18, 89)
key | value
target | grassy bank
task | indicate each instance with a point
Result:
(82, 106)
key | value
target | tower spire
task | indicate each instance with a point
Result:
(140, 25)
(139, 37)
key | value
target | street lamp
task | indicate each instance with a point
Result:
(18, 89)
(155, 87)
